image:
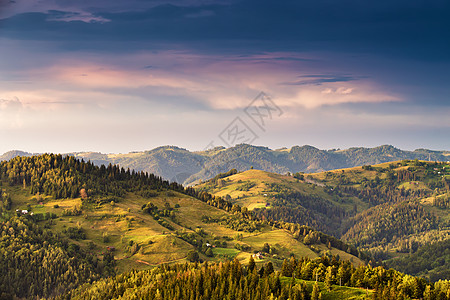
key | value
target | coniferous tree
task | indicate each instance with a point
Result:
(251, 264)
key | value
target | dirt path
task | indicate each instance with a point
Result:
(143, 262)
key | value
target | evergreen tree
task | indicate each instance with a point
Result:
(251, 264)
(268, 269)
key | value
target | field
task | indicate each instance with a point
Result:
(226, 252)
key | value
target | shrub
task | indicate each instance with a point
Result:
(193, 256)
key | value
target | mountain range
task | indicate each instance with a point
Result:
(188, 167)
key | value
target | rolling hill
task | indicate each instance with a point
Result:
(115, 221)
(73, 230)
(180, 165)
(391, 210)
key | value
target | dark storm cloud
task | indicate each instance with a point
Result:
(411, 28)
(321, 79)
(406, 32)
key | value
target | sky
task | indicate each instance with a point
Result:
(121, 76)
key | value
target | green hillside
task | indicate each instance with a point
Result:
(116, 220)
(72, 230)
(282, 197)
(390, 210)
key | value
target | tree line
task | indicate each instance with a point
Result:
(231, 280)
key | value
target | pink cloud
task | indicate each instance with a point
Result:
(220, 82)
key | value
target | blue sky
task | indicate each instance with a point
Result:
(119, 76)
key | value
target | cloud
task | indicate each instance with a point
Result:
(91, 11)
(10, 113)
(321, 79)
(56, 10)
(69, 16)
(344, 90)
(193, 81)
(340, 90)
(70, 61)
(390, 29)
(10, 105)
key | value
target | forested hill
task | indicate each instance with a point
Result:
(392, 210)
(177, 164)
(65, 222)
(73, 230)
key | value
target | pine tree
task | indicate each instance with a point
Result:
(262, 271)
(276, 286)
(285, 269)
(269, 269)
(251, 264)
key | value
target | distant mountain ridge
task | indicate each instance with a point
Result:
(13, 153)
(181, 165)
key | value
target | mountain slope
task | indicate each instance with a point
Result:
(177, 164)
(77, 223)
(14, 153)
(283, 197)
(388, 209)
(119, 220)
